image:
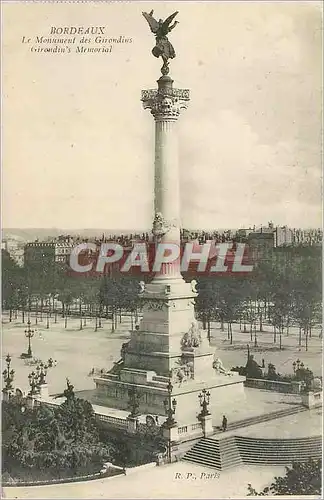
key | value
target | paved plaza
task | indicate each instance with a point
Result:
(78, 351)
(160, 482)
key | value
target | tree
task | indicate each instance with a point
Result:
(206, 302)
(300, 479)
(65, 438)
(231, 295)
(252, 368)
(13, 284)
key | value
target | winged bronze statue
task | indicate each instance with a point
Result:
(161, 29)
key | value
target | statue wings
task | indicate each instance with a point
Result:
(153, 23)
(169, 20)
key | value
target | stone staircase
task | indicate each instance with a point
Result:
(278, 451)
(232, 451)
(217, 454)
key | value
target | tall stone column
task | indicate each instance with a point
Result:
(166, 104)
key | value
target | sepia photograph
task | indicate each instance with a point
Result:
(161, 249)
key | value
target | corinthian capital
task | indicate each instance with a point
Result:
(165, 103)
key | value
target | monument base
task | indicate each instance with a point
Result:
(153, 391)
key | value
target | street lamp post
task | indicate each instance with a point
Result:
(204, 400)
(170, 406)
(8, 376)
(134, 402)
(33, 382)
(41, 371)
(29, 335)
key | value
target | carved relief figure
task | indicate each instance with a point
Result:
(184, 372)
(192, 338)
(160, 225)
(219, 368)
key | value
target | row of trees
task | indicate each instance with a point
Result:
(46, 287)
(282, 295)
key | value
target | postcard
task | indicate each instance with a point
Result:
(161, 249)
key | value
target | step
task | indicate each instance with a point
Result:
(283, 442)
(269, 447)
(203, 457)
(214, 464)
(206, 465)
(207, 446)
(209, 462)
(283, 458)
(277, 462)
(275, 457)
(278, 440)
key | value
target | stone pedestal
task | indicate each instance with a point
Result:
(30, 401)
(43, 391)
(207, 425)
(132, 425)
(5, 395)
(312, 399)
(171, 433)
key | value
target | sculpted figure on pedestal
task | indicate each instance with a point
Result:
(192, 338)
(219, 368)
(163, 47)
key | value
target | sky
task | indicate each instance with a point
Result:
(78, 148)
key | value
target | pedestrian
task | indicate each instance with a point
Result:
(224, 423)
(157, 420)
